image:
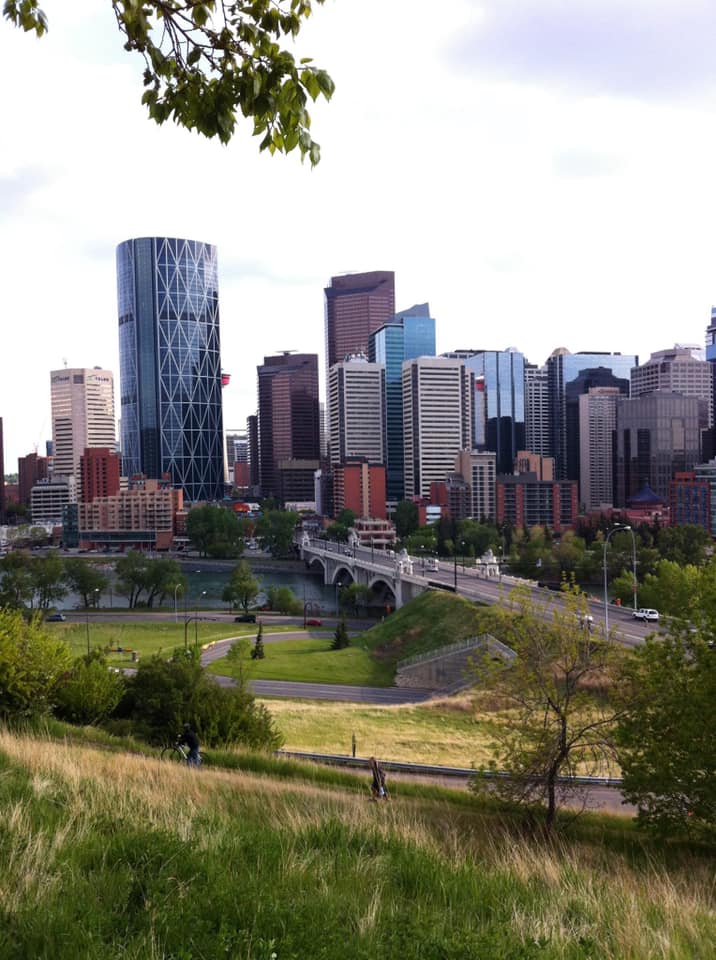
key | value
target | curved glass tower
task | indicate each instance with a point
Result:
(170, 364)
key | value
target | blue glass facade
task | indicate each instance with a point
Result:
(170, 364)
(410, 334)
(568, 375)
(499, 404)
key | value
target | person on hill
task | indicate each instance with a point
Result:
(190, 739)
(377, 787)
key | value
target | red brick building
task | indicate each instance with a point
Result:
(359, 487)
(525, 501)
(99, 473)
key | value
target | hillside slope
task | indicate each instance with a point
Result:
(105, 856)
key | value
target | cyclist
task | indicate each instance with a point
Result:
(378, 789)
(189, 737)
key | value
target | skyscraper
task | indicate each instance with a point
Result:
(499, 421)
(682, 369)
(437, 420)
(657, 435)
(170, 364)
(597, 422)
(357, 304)
(569, 376)
(356, 396)
(288, 428)
(407, 335)
(82, 402)
(537, 416)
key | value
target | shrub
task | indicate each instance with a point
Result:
(90, 691)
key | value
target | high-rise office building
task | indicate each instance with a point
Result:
(170, 363)
(356, 398)
(252, 434)
(538, 434)
(657, 435)
(597, 422)
(499, 419)
(288, 427)
(682, 369)
(437, 420)
(569, 376)
(407, 335)
(82, 401)
(357, 304)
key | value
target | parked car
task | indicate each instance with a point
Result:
(314, 622)
(646, 613)
(245, 618)
(56, 618)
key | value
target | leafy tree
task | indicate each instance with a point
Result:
(558, 716)
(131, 576)
(90, 692)
(258, 652)
(354, 597)
(204, 61)
(683, 544)
(164, 694)
(32, 664)
(215, 531)
(672, 589)
(341, 640)
(406, 518)
(162, 577)
(242, 588)
(84, 579)
(276, 530)
(283, 600)
(667, 747)
(16, 585)
(47, 579)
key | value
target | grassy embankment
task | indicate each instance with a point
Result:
(105, 855)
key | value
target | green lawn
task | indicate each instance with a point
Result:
(312, 661)
(147, 638)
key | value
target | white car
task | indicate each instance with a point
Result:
(645, 613)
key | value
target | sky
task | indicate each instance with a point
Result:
(540, 171)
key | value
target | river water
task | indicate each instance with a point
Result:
(205, 584)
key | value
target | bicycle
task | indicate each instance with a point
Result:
(178, 753)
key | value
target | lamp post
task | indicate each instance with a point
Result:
(338, 587)
(604, 566)
(94, 601)
(176, 612)
(454, 554)
(196, 617)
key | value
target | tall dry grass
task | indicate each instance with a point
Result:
(457, 861)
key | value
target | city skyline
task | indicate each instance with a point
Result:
(536, 196)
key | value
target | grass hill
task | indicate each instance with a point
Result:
(432, 620)
(107, 855)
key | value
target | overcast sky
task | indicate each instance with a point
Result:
(540, 171)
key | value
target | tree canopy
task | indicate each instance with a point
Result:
(205, 61)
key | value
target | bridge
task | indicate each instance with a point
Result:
(393, 578)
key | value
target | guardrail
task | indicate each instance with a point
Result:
(441, 652)
(426, 769)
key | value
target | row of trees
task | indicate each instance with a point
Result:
(38, 676)
(218, 532)
(573, 701)
(36, 582)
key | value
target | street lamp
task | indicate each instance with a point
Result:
(454, 554)
(94, 600)
(196, 617)
(338, 587)
(176, 612)
(620, 527)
